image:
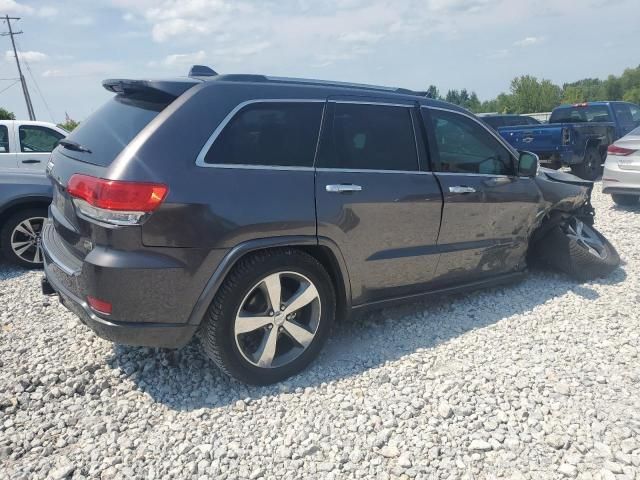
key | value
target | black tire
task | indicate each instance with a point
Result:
(591, 166)
(218, 330)
(625, 200)
(560, 251)
(6, 233)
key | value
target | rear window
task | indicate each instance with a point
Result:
(110, 129)
(589, 114)
(493, 122)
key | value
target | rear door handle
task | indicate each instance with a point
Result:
(31, 160)
(462, 189)
(343, 188)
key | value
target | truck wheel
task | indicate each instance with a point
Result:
(271, 316)
(625, 199)
(578, 250)
(20, 237)
(591, 165)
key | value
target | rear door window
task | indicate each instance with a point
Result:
(37, 139)
(4, 139)
(278, 134)
(370, 137)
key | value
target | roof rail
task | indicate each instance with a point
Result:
(202, 71)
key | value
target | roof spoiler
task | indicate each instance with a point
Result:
(154, 88)
(202, 71)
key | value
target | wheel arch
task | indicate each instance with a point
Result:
(324, 250)
(23, 203)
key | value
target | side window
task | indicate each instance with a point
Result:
(370, 137)
(464, 146)
(270, 134)
(4, 139)
(34, 138)
(623, 113)
(635, 113)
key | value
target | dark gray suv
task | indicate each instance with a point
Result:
(255, 210)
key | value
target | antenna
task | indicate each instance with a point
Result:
(25, 90)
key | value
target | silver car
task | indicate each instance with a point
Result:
(621, 176)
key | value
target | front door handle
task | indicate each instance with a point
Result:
(343, 188)
(462, 189)
(31, 160)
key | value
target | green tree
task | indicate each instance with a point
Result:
(6, 114)
(69, 124)
(632, 95)
(433, 92)
(530, 95)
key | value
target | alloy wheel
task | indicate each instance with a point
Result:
(26, 242)
(277, 320)
(586, 237)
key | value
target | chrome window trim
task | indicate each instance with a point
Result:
(494, 175)
(500, 140)
(365, 170)
(377, 103)
(200, 159)
(244, 166)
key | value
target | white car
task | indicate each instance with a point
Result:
(621, 177)
(27, 144)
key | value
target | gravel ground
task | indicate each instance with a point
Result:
(536, 380)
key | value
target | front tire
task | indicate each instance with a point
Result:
(625, 200)
(271, 316)
(578, 250)
(20, 237)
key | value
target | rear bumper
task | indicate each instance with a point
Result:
(152, 294)
(125, 333)
(618, 181)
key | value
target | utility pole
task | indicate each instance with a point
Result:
(25, 90)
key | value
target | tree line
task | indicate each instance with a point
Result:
(527, 94)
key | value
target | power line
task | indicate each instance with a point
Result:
(25, 90)
(7, 88)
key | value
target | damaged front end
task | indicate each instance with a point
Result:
(564, 196)
(564, 237)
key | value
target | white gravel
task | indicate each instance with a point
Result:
(538, 380)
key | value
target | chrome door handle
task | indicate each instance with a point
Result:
(343, 188)
(462, 189)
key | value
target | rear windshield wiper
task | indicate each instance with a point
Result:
(71, 145)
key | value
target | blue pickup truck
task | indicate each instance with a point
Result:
(576, 135)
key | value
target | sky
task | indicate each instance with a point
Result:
(69, 47)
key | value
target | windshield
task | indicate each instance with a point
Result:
(109, 130)
(578, 114)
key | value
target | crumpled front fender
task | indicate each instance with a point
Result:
(562, 191)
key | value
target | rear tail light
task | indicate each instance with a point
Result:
(619, 151)
(100, 306)
(114, 201)
(566, 136)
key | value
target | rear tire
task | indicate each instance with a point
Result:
(260, 343)
(591, 165)
(625, 200)
(20, 237)
(578, 250)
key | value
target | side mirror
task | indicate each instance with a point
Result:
(528, 164)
